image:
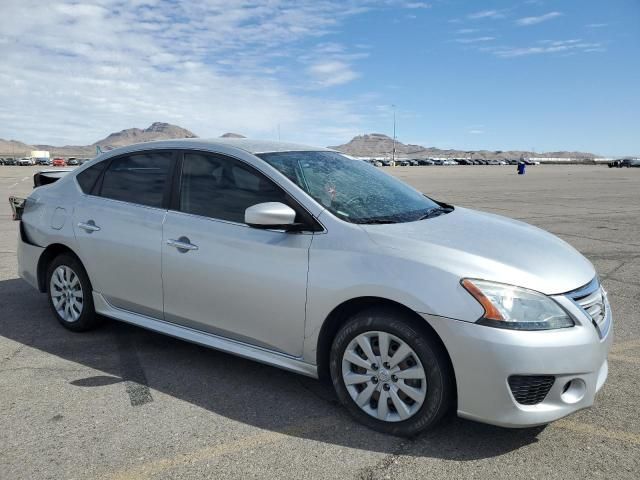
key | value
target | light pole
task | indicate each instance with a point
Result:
(393, 155)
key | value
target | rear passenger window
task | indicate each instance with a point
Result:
(223, 188)
(87, 178)
(140, 178)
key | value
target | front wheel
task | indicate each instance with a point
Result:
(390, 373)
(70, 294)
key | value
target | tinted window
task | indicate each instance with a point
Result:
(140, 179)
(87, 178)
(223, 188)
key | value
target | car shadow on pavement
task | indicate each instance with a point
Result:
(235, 388)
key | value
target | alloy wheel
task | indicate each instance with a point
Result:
(384, 376)
(66, 293)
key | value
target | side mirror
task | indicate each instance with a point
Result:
(270, 215)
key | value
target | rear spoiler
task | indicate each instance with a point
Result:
(45, 177)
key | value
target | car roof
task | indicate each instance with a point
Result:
(249, 145)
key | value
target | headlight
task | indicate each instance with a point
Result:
(506, 306)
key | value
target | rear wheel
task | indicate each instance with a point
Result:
(390, 373)
(70, 294)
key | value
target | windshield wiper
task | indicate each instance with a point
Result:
(435, 212)
(375, 221)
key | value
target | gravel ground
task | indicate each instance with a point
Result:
(125, 403)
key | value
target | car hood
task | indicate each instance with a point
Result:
(482, 245)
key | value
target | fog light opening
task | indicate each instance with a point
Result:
(573, 391)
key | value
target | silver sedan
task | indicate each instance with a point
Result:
(307, 260)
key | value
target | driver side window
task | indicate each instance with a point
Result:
(220, 187)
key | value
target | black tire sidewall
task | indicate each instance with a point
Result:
(434, 361)
(88, 318)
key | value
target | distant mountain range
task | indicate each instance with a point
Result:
(380, 145)
(370, 145)
(157, 131)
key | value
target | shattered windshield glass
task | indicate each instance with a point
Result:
(353, 190)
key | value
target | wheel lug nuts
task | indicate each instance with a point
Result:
(374, 366)
(394, 378)
(386, 365)
(374, 379)
(386, 387)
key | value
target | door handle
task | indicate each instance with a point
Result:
(89, 226)
(183, 244)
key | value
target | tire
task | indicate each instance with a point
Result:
(434, 392)
(69, 285)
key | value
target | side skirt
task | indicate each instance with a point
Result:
(233, 347)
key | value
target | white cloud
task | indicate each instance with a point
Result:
(597, 25)
(416, 5)
(492, 14)
(548, 47)
(208, 65)
(475, 39)
(539, 19)
(476, 131)
(332, 72)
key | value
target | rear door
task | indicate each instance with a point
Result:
(118, 226)
(233, 280)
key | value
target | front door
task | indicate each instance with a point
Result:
(223, 276)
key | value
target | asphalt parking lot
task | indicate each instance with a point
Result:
(125, 403)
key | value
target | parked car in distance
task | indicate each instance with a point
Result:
(10, 161)
(304, 259)
(425, 162)
(625, 162)
(72, 161)
(59, 162)
(43, 161)
(26, 162)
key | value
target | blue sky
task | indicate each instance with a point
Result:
(542, 74)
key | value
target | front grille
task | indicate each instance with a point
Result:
(530, 389)
(592, 300)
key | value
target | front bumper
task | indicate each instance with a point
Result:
(485, 357)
